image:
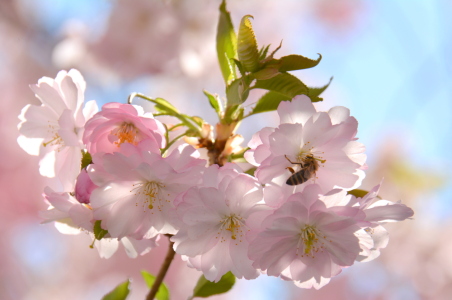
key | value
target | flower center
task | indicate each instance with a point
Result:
(312, 240)
(306, 153)
(234, 224)
(126, 133)
(55, 137)
(150, 194)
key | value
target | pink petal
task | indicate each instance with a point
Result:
(296, 111)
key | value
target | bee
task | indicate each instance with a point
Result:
(309, 167)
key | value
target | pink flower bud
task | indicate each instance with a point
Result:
(84, 187)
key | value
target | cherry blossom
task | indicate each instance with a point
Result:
(120, 123)
(216, 217)
(73, 217)
(319, 146)
(54, 129)
(305, 241)
(137, 188)
(373, 213)
(377, 211)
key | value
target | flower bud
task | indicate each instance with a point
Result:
(84, 187)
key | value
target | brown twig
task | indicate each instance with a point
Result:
(163, 269)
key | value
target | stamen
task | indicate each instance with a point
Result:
(92, 245)
(233, 224)
(312, 239)
(56, 139)
(126, 133)
(306, 152)
(151, 194)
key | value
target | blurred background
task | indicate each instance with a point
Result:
(391, 67)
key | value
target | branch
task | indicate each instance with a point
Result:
(163, 269)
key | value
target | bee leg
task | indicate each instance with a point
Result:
(291, 170)
(294, 163)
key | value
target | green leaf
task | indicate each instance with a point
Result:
(263, 52)
(251, 171)
(283, 83)
(99, 233)
(269, 102)
(239, 66)
(247, 45)
(358, 193)
(166, 108)
(270, 57)
(197, 120)
(297, 62)
(233, 113)
(226, 44)
(214, 102)
(266, 73)
(163, 292)
(86, 159)
(237, 91)
(238, 156)
(119, 293)
(205, 288)
(282, 89)
(315, 92)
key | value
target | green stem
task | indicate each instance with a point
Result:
(169, 110)
(169, 144)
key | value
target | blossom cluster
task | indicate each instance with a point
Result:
(297, 218)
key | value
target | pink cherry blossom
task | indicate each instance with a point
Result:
(120, 123)
(73, 217)
(216, 217)
(54, 129)
(66, 209)
(373, 213)
(137, 188)
(324, 140)
(377, 211)
(305, 241)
